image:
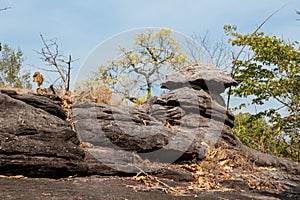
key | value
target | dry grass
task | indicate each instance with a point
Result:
(96, 94)
(221, 164)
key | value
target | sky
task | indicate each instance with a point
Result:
(80, 26)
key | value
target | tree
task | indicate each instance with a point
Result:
(270, 72)
(202, 46)
(258, 134)
(138, 69)
(11, 73)
(51, 54)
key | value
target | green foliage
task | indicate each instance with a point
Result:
(270, 71)
(138, 69)
(10, 69)
(256, 133)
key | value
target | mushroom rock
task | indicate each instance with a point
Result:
(200, 76)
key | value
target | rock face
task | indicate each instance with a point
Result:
(178, 125)
(133, 130)
(174, 105)
(35, 141)
(195, 105)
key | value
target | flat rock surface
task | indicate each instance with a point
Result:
(109, 188)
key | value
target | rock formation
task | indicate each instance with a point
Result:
(194, 105)
(201, 77)
(35, 138)
(178, 125)
(36, 141)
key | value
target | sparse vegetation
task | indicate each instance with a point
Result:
(258, 134)
(90, 91)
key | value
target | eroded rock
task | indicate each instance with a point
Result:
(181, 124)
(34, 142)
(200, 76)
(177, 103)
(131, 129)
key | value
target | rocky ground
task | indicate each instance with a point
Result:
(221, 175)
(109, 188)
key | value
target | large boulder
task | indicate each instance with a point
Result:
(200, 76)
(34, 139)
(133, 130)
(49, 103)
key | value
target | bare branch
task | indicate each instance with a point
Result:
(6, 8)
(234, 67)
(69, 73)
(43, 69)
(53, 57)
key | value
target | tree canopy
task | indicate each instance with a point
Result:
(136, 70)
(270, 72)
(11, 73)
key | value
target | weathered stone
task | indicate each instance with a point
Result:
(199, 76)
(133, 130)
(180, 125)
(129, 129)
(34, 142)
(49, 103)
(181, 102)
(108, 161)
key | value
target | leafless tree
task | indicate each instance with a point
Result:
(201, 45)
(51, 54)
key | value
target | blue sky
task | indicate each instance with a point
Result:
(81, 25)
